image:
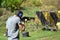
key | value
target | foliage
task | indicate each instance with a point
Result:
(1, 12)
(54, 3)
(13, 4)
(36, 2)
(0, 2)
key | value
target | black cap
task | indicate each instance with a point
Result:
(19, 13)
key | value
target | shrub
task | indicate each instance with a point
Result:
(36, 2)
(13, 4)
(1, 12)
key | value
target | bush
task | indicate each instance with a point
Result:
(36, 2)
(1, 12)
(13, 4)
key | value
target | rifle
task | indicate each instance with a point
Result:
(24, 19)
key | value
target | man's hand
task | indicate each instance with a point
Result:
(22, 27)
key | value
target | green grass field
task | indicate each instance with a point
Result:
(43, 35)
(34, 33)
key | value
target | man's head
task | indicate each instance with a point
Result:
(19, 13)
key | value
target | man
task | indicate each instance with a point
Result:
(12, 25)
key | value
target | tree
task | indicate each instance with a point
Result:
(0, 2)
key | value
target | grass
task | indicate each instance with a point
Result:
(43, 35)
(34, 33)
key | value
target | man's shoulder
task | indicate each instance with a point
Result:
(13, 18)
(16, 18)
